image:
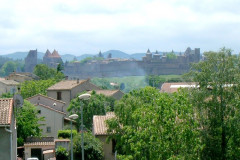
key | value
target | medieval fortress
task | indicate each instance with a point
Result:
(151, 64)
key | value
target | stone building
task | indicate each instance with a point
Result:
(31, 61)
(52, 59)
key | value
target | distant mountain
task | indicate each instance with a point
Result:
(21, 55)
(116, 54)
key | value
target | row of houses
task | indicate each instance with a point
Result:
(53, 107)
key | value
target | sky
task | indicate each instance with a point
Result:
(132, 26)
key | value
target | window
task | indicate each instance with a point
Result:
(59, 95)
(39, 111)
(48, 129)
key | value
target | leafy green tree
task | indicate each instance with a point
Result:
(154, 125)
(8, 68)
(218, 104)
(66, 133)
(96, 105)
(6, 95)
(92, 147)
(45, 73)
(171, 55)
(28, 122)
(31, 88)
(154, 80)
(61, 153)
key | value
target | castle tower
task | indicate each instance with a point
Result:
(31, 61)
(149, 55)
(52, 59)
(100, 54)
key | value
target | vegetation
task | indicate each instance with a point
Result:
(171, 55)
(31, 88)
(88, 59)
(6, 95)
(217, 102)
(153, 125)
(45, 73)
(61, 153)
(96, 105)
(10, 66)
(66, 133)
(92, 147)
(28, 122)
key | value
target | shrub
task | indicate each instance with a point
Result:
(61, 153)
(66, 133)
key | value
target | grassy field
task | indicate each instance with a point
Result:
(130, 82)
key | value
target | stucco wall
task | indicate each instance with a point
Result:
(27, 149)
(107, 148)
(4, 144)
(6, 88)
(53, 119)
(65, 96)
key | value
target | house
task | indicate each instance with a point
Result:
(8, 132)
(8, 86)
(53, 112)
(173, 87)
(44, 147)
(100, 132)
(67, 90)
(116, 94)
(22, 76)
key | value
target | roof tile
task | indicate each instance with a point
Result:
(99, 125)
(6, 110)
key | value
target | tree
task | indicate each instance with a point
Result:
(31, 88)
(45, 73)
(154, 80)
(92, 147)
(8, 68)
(153, 125)
(61, 153)
(96, 105)
(28, 122)
(218, 104)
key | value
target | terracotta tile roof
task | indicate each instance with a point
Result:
(6, 111)
(9, 82)
(45, 97)
(173, 87)
(55, 54)
(99, 125)
(66, 85)
(39, 144)
(105, 92)
(50, 108)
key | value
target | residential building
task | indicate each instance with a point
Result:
(22, 76)
(100, 132)
(116, 94)
(8, 132)
(173, 87)
(8, 86)
(67, 90)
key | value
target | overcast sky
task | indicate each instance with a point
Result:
(87, 26)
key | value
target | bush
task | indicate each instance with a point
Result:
(61, 153)
(66, 133)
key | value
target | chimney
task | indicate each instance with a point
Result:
(66, 77)
(78, 80)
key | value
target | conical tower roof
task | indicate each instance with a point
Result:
(148, 52)
(48, 54)
(55, 54)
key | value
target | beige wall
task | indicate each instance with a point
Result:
(107, 147)
(53, 119)
(27, 149)
(6, 88)
(65, 96)
(48, 102)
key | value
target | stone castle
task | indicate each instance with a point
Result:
(151, 64)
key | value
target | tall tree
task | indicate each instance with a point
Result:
(44, 72)
(28, 122)
(96, 105)
(217, 101)
(153, 125)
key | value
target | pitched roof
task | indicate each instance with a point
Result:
(173, 87)
(45, 97)
(48, 107)
(99, 125)
(48, 54)
(55, 54)
(6, 111)
(9, 82)
(66, 85)
(106, 92)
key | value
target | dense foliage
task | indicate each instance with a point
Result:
(66, 133)
(96, 105)
(153, 125)
(92, 147)
(61, 153)
(217, 101)
(28, 122)
(45, 73)
(31, 88)
(11, 66)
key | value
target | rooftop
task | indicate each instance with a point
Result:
(173, 87)
(6, 110)
(66, 85)
(9, 82)
(99, 125)
(106, 92)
